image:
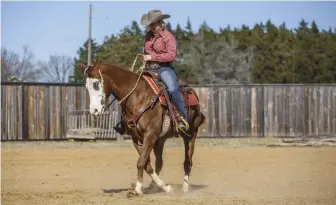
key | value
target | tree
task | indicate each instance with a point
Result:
(217, 60)
(18, 68)
(57, 69)
(122, 49)
(77, 76)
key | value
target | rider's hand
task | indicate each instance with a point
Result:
(147, 58)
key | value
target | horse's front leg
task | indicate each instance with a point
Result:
(148, 144)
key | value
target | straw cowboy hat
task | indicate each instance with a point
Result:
(153, 16)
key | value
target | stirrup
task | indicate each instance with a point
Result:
(185, 123)
(186, 126)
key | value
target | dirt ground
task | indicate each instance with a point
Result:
(224, 172)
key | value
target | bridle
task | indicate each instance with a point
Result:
(101, 91)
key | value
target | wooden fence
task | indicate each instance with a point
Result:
(32, 111)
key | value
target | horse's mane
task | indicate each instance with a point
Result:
(124, 68)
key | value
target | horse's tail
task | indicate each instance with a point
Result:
(202, 118)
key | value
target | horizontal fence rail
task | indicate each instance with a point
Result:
(51, 111)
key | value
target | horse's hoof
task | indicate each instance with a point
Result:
(168, 189)
(185, 187)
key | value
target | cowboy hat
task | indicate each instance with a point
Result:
(152, 17)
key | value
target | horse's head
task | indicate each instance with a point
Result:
(98, 86)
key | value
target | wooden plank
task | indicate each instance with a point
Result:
(78, 98)
(277, 110)
(305, 111)
(14, 114)
(286, 111)
(270, 111)
(321, 113)
(30, 113)
(326, 109)
(292, 110)
(19, 114)
(290, 113)
(240, 111)
(204, 94)
(36, 112)
(46, 112)
(52, 112)
(234, 111)
(41, 122)
(58, 113)
(9, 114)
(223, 112)
(248, 111)
(315, 117)
(14, 120)
(26, 113)
(229, 111)
(300, 115)
(271, 114)
(260, 111)
(330, 110)
(254, 118)
(298, 106)
(332, 114)
(65, 111)
(3, 112)
(334, 110)
(310, 111)
(266, 124)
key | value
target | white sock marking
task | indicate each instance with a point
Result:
(138, 187)
(157, 179)
(160, 183)
(185, 185)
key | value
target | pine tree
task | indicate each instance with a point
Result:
(82, 57)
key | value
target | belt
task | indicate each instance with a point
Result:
(156, 65)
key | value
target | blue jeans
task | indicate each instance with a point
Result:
(169, 78)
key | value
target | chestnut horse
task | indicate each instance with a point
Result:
(145, 115)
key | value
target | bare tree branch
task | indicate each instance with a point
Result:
(57, 69)
(15, 68)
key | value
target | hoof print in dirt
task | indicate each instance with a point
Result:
(131, 194)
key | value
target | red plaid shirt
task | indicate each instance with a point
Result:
(162, 48)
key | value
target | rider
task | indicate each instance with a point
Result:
(160, 51)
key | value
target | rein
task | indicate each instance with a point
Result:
(136, 84)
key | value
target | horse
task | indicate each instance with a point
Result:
(147, 114)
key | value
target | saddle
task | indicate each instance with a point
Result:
(153, 79)
(188, 94)
(156, 77)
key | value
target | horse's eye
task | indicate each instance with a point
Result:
(96, 85)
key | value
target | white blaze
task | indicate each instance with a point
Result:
(96, 93)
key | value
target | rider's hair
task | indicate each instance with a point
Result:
(163, 24)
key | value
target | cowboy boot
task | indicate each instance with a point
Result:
(120, 128)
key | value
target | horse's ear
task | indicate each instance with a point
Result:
(86, 69)
(82, 66)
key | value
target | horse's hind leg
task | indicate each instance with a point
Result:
(189, 146)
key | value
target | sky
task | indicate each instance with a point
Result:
(61, 27)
